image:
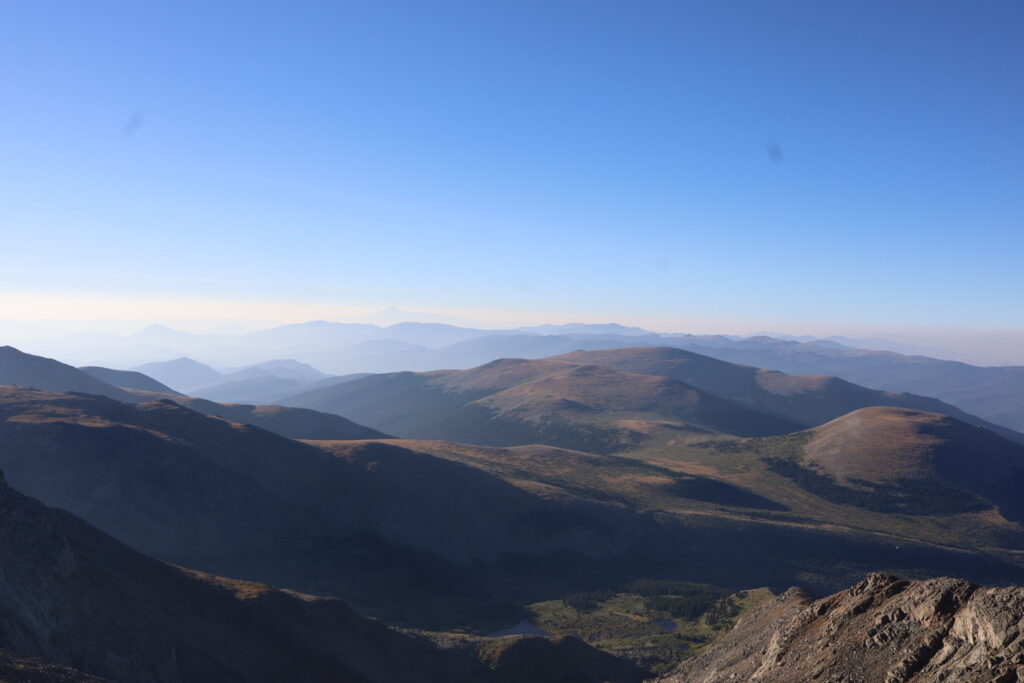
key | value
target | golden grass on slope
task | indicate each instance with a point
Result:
(598, 388)
(744, 463)
(878, 445)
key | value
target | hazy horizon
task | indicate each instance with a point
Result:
(984, 347)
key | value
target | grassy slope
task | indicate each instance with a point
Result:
(747, 463)
(645, 630)
(655, 479)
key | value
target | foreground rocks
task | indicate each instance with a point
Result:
(882, 629)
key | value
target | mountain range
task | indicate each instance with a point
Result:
(993, 393)
(511, 401)
(22, 369)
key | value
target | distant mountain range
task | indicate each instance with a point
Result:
(22, 369)
(993, 393)
(603, 400)
(128, 379)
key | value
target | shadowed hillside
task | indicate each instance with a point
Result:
(239, 500)
(127, 379)
(294, 423)
(26, 370)
(75, 596)
(76, 602)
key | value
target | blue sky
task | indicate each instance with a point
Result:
(528, 161)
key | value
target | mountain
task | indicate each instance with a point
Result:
(584, 328)
(377, 355)
(23, 369)
(808, 399)
(260, 390)
(879, 344)
(994, 393)
(322, 384)
(285, 368)
(585, 399)
(882, 629)
(127, 379)
(183, 374)
(555, 402)
(392, 355)
(261, 382)
(911, 461)
(74, 596)
(17, 368)
(77, 603)
(476, 352)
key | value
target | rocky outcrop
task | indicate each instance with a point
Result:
(882, 629)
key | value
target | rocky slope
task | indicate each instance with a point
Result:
(882, 629)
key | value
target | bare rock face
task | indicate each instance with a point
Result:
(882, 629)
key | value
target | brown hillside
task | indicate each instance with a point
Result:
(924, 457)
(513, 402)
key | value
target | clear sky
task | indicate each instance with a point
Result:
(686, 165)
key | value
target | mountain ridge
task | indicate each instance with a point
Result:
(882, 629)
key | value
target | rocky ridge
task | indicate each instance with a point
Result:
(883, 629)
